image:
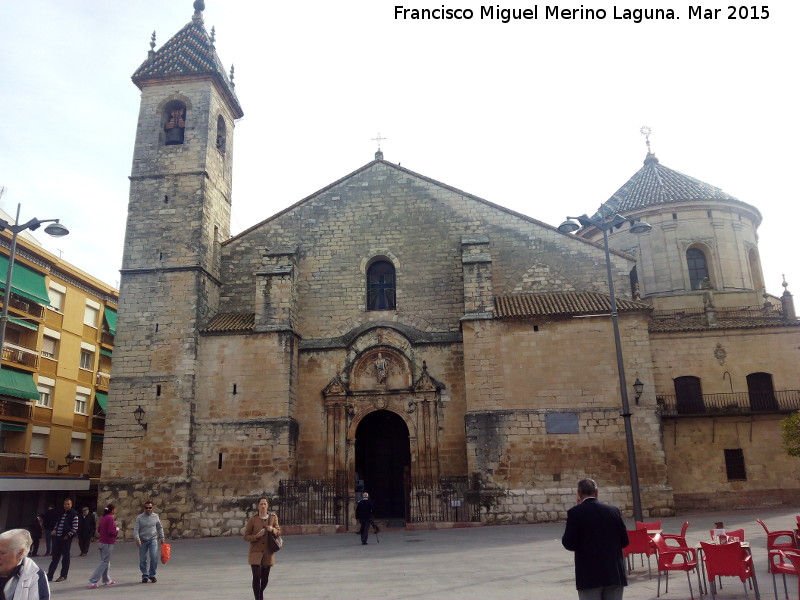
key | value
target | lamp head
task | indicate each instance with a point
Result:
(569, 226)
(640, 227)
(638, 388)
(56, 229)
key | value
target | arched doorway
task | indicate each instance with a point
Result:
(382, 455)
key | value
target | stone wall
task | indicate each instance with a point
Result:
(696, 458)
(384, 210)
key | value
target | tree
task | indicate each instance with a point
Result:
(791, 434)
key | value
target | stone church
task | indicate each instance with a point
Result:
(455, 358)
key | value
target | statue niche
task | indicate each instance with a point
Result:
(381, 369)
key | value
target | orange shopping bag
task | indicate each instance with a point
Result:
(166, 552)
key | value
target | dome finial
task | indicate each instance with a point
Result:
(152, 52)
(379, 139)
(199, 7)
(646, 131)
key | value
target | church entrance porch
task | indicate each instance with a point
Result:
(382, 458)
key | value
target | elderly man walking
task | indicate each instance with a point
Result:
(148, 533)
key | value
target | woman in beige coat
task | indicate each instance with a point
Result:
(260, 558)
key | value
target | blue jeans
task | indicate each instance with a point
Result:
(148, 548)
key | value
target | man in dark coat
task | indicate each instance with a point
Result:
(365, 509)
(87, 525)
(596, 533)
(49, 520)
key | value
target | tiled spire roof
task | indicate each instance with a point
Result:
(189, 53)
(561, 304)
(654, 184)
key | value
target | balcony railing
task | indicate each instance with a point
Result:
(31, 308)
(783, 401)
(20, 355)
(106, 338)
(102, 379)
(15, 409)
(98, 422)
(13, 463)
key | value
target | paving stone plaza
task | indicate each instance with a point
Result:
(511, 562)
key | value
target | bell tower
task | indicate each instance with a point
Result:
(178, 214)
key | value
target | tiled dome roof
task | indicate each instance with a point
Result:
(654, 184)
(190, 52)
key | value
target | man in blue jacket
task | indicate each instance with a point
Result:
(596, 533)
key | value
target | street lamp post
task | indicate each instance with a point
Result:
(605, 224)
(55, 229)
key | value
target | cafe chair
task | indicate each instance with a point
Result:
(778, 534)
(679, 538)
(729, 560)
(780, 561)
(651, 525)
(639, 543)
(674, 559)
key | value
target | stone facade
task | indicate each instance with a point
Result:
(259, 359)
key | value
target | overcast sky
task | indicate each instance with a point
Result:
(541, 116)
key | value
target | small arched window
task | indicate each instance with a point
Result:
(698, 267)
(381, 286)
(174, 123)
(222, 134)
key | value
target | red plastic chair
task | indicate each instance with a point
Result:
(639, 543)
(728, 560)
(651, 525)
(680, 538)
(774, 536)
(675, 559)
(781, 563)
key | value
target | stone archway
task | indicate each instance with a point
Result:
(382, 457)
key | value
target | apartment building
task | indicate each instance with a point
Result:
(56, 369)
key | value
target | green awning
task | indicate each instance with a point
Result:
(17, 385)
(24, 323)
(102, 399)
(111, 319)
(6, 426)
(105, 352)
(24, 282)
(97, 437)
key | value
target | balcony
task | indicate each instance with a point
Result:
(744, 403)
(102, 379)
(21, 304)
(12, 463)
(9, 408)
(107, 338)
(27, 357)
(99, 422)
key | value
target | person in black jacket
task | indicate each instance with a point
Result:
(365, 509)
(87, 525)
(49, 520)
(596, 533)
